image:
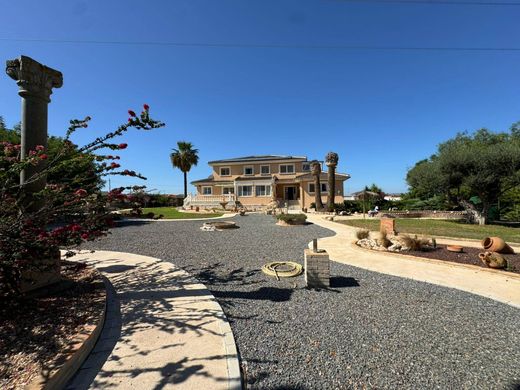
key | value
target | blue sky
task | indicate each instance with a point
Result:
(381, 110)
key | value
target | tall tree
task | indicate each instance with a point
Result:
(183, 158)
(483, 165)
(331, 160)
(316, 172)
(80, 169)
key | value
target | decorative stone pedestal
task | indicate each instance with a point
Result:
(317, 269)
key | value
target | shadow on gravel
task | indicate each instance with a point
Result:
(342, 281)
(272, 294)
(217, 273)
(126, 222)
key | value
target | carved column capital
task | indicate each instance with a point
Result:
(33, 78)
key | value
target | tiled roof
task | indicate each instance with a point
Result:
(261, 158)
(208, 179)
(324, 176)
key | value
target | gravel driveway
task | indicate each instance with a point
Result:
(368, 331)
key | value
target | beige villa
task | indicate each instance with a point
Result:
(256, 181)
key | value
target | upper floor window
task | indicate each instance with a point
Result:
(306, 167)
(265, 169)
(225, 171)
(287, 169)
(248, 170)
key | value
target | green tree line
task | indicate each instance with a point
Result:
(479, 172)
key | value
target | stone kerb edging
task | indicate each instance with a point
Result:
(230, 348)
(57, 376)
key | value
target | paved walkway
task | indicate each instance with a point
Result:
(497, 285)
(163, 330)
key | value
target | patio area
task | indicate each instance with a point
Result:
(369, 330)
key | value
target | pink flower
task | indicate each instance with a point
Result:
(131, 113)
(122, 146)
(146, 107)
(81, 192)
(75, 228)
(85, 236)
(44, 157)
(39, 147)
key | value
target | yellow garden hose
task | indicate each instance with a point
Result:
(282, 269)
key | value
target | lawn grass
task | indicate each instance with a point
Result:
(435, 227)
(173, 213)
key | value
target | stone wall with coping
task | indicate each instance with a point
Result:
(429, 214)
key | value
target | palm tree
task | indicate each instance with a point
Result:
(331, 160)
(183, 158)
(316, 172)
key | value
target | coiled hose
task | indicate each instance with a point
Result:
(282, 269)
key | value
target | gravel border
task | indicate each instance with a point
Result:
(368, 331)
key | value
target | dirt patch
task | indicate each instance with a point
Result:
(468, 256)
(36, 332)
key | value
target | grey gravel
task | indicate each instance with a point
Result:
(369, 330)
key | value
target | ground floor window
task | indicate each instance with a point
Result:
(263, 190)
(207, 191)
(323, 188)
(228, 190)
(245, 190)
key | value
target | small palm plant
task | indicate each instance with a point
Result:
(183, 158)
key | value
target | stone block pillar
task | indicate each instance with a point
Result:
(317, 269)
(387, 225)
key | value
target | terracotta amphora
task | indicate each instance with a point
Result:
(496, 244)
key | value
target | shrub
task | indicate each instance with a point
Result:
(62, 215)
(383, 240)
(414, 243)
(361, 234)
(292, 218)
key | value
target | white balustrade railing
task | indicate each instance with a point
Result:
(207, 200)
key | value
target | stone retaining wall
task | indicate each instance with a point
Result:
(425, 214)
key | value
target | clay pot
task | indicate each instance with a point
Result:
(455, 248)
(496, 244)
(493, 260)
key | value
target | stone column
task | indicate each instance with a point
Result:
(35, 82)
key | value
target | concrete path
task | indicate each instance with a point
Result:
(163, 330)
(498, 285)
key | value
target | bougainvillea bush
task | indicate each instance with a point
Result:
(35, 226)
